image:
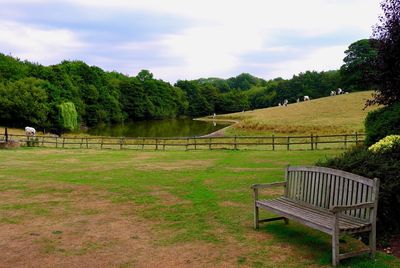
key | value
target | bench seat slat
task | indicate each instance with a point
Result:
(317, 215)
(324, 220)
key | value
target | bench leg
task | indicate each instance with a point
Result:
(256, 217)
(335, 249)
(372, 242)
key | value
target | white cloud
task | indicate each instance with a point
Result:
(46, 46)
(322, 59)
(221, 32)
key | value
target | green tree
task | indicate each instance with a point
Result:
(359, 65)
(68, 116)
(23, 102)
(387, 64)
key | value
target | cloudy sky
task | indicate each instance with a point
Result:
(188, 39)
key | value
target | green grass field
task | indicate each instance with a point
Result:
(329, 115)
(96, 208)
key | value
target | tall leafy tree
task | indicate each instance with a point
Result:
(387, 32)
(359, 65)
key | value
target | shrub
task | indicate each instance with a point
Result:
(381, 123)
(384, 166)
(388, 144)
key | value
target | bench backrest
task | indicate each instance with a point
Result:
(325, 187)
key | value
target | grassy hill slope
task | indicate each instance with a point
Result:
(329, 115)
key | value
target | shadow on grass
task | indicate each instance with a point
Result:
(317, 245)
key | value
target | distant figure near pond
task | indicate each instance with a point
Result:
(30, 131)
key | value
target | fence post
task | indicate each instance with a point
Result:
(356, 138)
(156, 144)
(345, 141)
(312, 141)
(288, 143)
(143, 143)
(6, 134)
(235, 144)
(81, 143)
(120, 143)
(63, 142)
(101, 145)
(87, 143)
(195, 143)
(42, 141)
(273, 142)
(56, 142)
(316, 142)
(164, 144)
(209, 145)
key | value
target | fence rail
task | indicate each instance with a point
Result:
(311, 142)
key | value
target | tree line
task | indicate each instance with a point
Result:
(66, 96)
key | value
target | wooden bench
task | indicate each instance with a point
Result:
(329, 200)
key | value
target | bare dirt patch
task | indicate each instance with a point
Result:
(92, 231)
(176, 165)
(167, 198)
(241, 169)
(232, 204)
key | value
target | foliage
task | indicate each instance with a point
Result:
(382, 122)
(358, 65)
(388, 60)
(68, 116)
(384, 166)
(102, 97)
(386, 145)
(23, 102)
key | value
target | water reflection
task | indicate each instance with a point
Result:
(184, 127)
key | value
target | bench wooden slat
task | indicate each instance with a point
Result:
(336, 172)
(329, 200)
(323, 220)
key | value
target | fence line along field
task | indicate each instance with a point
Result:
(310, 142)
(330, 115)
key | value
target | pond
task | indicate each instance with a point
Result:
(182, 127)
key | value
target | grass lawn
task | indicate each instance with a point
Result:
(106, 208)
(330, 115)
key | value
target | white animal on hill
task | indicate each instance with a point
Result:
(298, 100)
(285, 102)
(339, 91)
(333, 93)
(306, 98)
(30, 131)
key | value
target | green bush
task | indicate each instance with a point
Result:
(382, 122)
(386, 167)
(388, 144)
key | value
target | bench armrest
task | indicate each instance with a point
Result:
(336, 209)
(268, 185)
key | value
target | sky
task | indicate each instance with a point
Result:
(188, 39)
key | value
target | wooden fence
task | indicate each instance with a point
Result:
(311, 142)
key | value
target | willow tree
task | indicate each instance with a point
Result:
(68, 116)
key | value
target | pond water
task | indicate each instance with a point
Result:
(182, 127)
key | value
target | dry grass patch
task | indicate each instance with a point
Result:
(92, 231)
(337, 114)
(176, 165)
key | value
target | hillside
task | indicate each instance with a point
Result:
(336, 114)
